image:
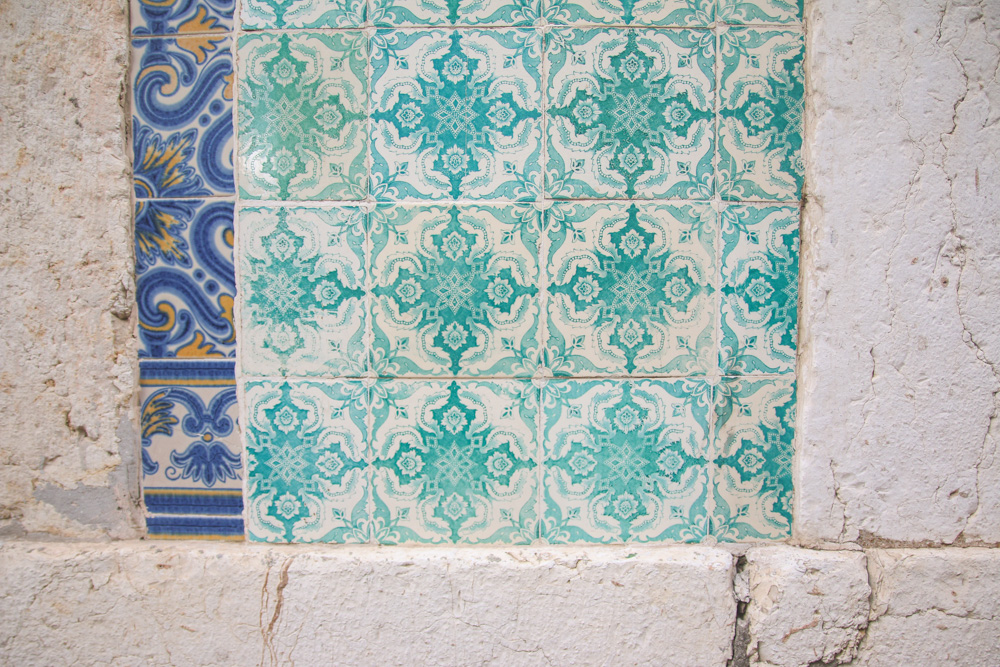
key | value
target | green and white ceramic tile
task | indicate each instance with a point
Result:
(456, 115)
(619, 12)
(303, 278)
(631, 289)
(760, 117)
(267, 14)
(306, 449)
(302, 105)
(392, 13)
(455, 290)
(760, 279)
(630, 114)
(748, 12)
(755, 428)
(626, 461)
(454, 462)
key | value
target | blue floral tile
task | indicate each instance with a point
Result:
(626, 461)
(182, 122)
(304, 306)
(630, 289)
(761, 93)
(455, 290)
(391, 13)
(185, 280)
(269, 14)
(192, 472)
(307, 452)
(760, 278)
(456, 115)
(686, 13)
(303, 99)
(755, 12)
(454, 462)
(755, 429)
(630, 114)
(181, 17)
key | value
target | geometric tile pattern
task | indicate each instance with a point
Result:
(510, 271)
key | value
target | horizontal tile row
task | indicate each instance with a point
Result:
(163, 17)
(512, 114)
(510, 291)
(605, 461)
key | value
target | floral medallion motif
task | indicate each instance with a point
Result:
(626, 461)
(263, 14)
(306, 461)
(303, 98)
(303, 271)
(755, 429)
(391, 13)
(760, 277)
(631, 12)
(762, 95)
(455, 462)
(455, 290)
(630, 288)
(455, 115)
(630, 114)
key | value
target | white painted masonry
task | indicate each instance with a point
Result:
(894, 560)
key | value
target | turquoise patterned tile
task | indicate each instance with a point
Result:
(302, 270)
(760, 278)
(631, 289)
(456, 115)
(455, 290)
(755, 429)
(454, 462)
(760, 119)
(691, 13)
(269, 14)
(630, 114)
(752, 12)
(306, 448)
(626, 461)
(303, 99)
(182, 120)
(185, 281)
(392, 13)
(180, 17)
(192, 473)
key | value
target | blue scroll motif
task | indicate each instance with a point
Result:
(157, 17)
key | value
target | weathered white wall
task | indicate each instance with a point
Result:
(900, 338)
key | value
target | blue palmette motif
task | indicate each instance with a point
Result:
(183, 125)
(168, 17)
(185, 280)
(206, 461)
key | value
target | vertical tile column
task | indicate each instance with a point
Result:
(182, 137)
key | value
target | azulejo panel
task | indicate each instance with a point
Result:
(185, 280)
(456, 115)
(169, 17)
(760, 279)
(454, 462)
(631, 288)
(749, 12)
(306, 444)
(755, 430)
(630, 114)
(626, 461)
(303, 275)
(303, 101)
(455, 290)
(182, 123)
(760, 117)
(632, 12)
(390, 13)
(264, 14)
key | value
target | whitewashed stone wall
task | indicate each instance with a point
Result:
(898, 485)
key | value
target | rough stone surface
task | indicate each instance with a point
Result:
(901, 274)
(143, 603)
(933, 607)
(805, 606)
(67, 360)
